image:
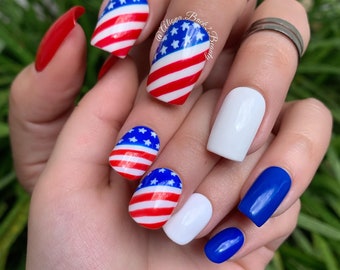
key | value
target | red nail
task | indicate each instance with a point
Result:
(55, 36)
(109, 62)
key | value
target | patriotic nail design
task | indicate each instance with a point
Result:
(134, 153)
(178, 62)
(155, 198)
(120, 25)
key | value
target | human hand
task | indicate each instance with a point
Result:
(57, 187)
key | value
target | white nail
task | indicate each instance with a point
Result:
(190, 220)
(237, 123)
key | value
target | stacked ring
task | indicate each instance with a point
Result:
(281, 26)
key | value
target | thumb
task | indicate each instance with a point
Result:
(40, 101)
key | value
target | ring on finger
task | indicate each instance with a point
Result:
(281, 26)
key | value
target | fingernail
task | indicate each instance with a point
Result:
(120, 25)
(134, 153)
(237, 123)
(224, 245)
(265, 195)
(178, 62)
(190, 220)
(55, 36)
(155, 198)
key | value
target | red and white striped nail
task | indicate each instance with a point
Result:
(178, 62)
(120, 25)
(155, 198)
(135, 152)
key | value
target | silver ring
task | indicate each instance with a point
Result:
(281, 26)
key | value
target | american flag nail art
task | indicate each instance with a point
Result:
(178, 62)
(134, 153)
(155, 198)
(120, 25)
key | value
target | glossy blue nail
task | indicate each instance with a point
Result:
(224, 245)
(265, 195)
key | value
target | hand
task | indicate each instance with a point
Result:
(76, 186)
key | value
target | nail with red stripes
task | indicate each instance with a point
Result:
(120, 25)
(134, 153)
(178, 62)
(155, 198)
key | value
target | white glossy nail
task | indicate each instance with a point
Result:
(237, 123)
(190, 220)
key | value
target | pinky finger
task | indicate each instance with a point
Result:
(247, 246)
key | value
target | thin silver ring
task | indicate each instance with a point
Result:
(280, 26)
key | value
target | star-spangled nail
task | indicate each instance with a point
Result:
(178, 62)
(155, 198)
(120, 25)
(135, 152)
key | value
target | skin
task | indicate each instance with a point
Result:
(78, 214)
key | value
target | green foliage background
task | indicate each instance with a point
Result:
(315, 242)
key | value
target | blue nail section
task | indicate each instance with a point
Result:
(265, 195)
(224, 245)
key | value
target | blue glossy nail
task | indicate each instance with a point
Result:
(224, 245)
(265, 195)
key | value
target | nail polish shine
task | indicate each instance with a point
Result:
(224, 245)
(55, 36)
(265, 195)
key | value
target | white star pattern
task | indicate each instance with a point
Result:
(174, 44)
(174, 31)
(157, 146)
(185, 26)
(154, 181)
(142, 130)
(111, 5)
(161, 170)
(131, 130)
(122, 2)
(163, 50)
(133, 139)
(196, 25)
(173, 174)
(199, 36)
(165, 38)
(147, 142)
(171, 182)
(153, 134)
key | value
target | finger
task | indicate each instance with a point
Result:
(213, 198)
(122, 23)
(288, 166)
(240, 241)
(40, 101)
(257, 83)
(80, 154)
(178, 170)
(154, 124)
(191, 33)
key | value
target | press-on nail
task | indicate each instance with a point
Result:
(120, 25)
(55, 36)
(178, 62)
(224, 245)
(190, 220)
(265, 195)
(237, 123)
(155, 198)
(135, 152)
